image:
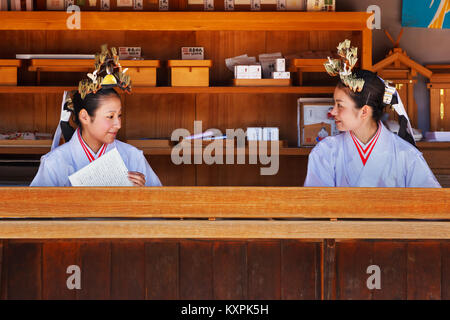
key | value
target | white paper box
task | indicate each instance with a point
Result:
(254, 134)
(281, 75)
(270, 134)
(280, 65)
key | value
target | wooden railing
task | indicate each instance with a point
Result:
(225, 213)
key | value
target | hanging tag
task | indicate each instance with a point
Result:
(105, 5)
(138, 5)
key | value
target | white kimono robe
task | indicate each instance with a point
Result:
(57, 165)
(393, 162)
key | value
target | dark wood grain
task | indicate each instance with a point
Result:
(328, 269)
(161, 270)
(95, 259)
(127, 270)
(299, 270)
(352, 260)
(57, 257)
(445, 285)
(264, 279)
(424, 271)
(391, 258)
(230, 270)
(196, 270)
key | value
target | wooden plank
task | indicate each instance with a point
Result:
(407, 203)
(264, 270)
(445, 286)
(352, 260)
(299, 270)
(95, 258)
(24, 270)
(391, 258)
(230, 270)
(196, 270)
(328, 269)
(224, 229)
(161, 270)
(127, 270)
(57, 256)
(188, 21)
(424, 271)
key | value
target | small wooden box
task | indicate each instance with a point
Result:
(142, 72)
(8, 72)
(439, 97)
(189, 73)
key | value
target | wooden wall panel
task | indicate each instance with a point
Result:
(230, 270)
(292, 172)
(300, 270)
(95, 258)
(157, 116)
(24, 270)
(171, 174)
(264, 270)
(196, 270)
(161, 270)
(424, 271)
(57, 257)
(234, 111)
(391, 258)
(352, 260)
(128, 270)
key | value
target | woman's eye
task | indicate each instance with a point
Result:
(120, 116)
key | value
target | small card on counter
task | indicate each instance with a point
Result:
(281, 75)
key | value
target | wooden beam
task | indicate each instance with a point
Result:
(224, 229)
(225, 202)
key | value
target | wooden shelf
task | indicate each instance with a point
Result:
(188, 21)
(181, 90)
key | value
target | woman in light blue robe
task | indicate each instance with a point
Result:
(366, 153)
(98, 117)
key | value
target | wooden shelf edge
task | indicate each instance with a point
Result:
(187, 21)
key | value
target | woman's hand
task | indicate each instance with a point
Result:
(137, 178)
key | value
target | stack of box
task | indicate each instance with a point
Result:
(280, 70)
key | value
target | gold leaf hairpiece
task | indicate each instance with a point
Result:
(344, 66)
(107, 74)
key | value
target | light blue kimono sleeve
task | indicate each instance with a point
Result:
(151, 179)
(419, 175)
(320, 169)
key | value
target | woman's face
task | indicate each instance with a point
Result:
(105, 124)
(345, 113)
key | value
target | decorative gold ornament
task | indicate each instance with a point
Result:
(344, 66)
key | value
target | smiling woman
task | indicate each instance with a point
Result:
(97, 110)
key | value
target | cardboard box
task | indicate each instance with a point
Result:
(247, 72)
(189, 73)
(316, 123)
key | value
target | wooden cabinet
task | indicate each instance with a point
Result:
(154, 112)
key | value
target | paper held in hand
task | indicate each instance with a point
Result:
(107, 171)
